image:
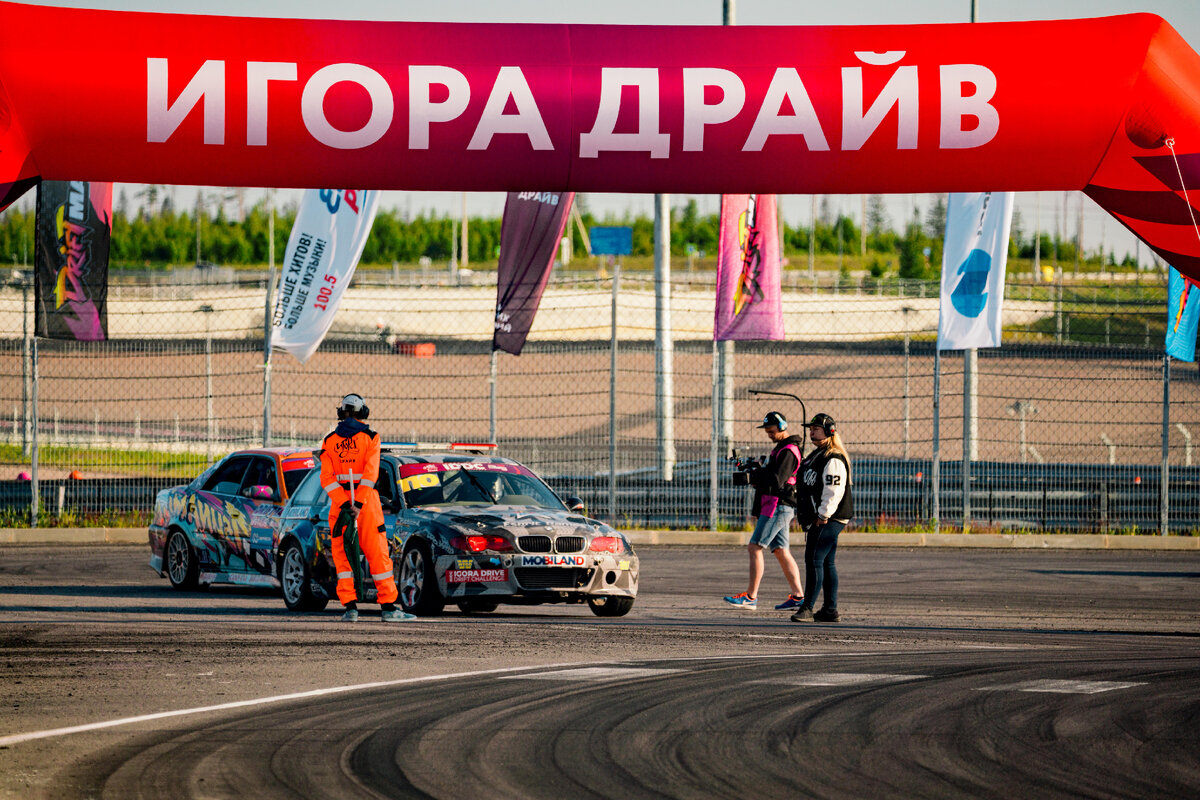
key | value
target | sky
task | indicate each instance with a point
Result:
(1183, 15)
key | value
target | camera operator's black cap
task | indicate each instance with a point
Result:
(776, 419)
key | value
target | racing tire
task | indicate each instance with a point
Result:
(417, 582)
(603, 606)
(295, 579)
(477, 606)
(182, 565)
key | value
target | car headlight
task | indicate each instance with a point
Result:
(607, 544)
(479, 542)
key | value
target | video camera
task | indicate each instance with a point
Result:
(743, 467)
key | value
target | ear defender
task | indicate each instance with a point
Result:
(825, 422)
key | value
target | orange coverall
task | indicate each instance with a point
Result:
(351, 463)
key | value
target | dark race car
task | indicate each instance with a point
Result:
(464, 528)
(220, 528)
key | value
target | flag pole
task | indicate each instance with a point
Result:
(935, 469)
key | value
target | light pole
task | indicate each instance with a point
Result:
(268, 322)
(1020, 409)
(199, 211)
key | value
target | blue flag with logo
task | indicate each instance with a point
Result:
(1183, 312)
(973, 262)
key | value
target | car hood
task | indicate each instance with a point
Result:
(514, 519)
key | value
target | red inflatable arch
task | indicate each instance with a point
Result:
(1109, 105)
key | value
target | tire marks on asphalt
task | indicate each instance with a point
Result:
(963, 723)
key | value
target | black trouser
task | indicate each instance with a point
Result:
(820, 550)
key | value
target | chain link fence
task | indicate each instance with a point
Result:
(1069, 430)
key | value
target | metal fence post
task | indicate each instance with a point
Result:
(906, 309)
(935, 468)
(25, 363)
(970, 415)
(268, 328)
(664, 346)
(725, 393)
(612, 400)
(713, 486)
(492, 399)
(207, 310)
(1163, 497)
(33, 447)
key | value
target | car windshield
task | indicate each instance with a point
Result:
(474, 483)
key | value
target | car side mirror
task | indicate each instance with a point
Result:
(575, 504)
(259, 492)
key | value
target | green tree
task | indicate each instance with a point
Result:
(913, 264)
(936, 224)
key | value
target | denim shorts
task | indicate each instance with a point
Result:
(772, 532)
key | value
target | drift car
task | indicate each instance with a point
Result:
(464, 528)
(219, 528)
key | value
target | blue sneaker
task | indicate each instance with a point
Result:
(793, 601)
(396, 615)
(351, 615)
(743, 600)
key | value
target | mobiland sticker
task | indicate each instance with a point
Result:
(551, 561)
(1110, 105)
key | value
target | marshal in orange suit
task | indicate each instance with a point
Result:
(349, 470)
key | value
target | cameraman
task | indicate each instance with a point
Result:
(775, 506)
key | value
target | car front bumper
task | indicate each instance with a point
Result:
(534, 575)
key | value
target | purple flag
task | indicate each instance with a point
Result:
(748, 304)
(529, 234)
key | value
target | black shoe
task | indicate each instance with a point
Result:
(803, 614)
(826, 615)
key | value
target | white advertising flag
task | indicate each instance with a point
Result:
(973, 262)
(326, 242)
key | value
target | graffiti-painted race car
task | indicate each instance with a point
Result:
(221, 527)
(465, 528)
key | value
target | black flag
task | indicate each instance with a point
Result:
(529, 234)
(74, 222)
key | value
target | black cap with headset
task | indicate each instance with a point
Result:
(353, 405)
(825, 422)
(776, 419)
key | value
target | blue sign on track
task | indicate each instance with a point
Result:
(611, 241)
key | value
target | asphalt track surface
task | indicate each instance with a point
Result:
(954, 673)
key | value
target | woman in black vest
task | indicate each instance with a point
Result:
(824, 497)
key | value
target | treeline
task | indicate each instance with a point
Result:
(171, 237)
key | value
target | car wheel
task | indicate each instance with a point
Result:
(296, 580)
(183, 571)
(610, 606)
(477, 606)
(419, 592)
